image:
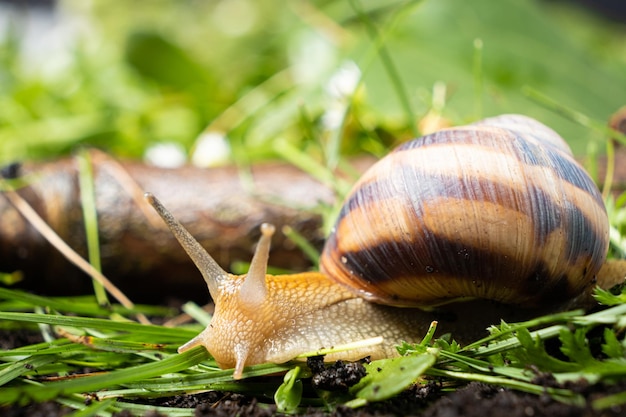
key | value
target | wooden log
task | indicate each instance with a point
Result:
(222, 207)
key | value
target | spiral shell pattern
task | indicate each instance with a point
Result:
(498, 210)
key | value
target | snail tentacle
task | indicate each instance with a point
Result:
(253, 291)
(213, 274)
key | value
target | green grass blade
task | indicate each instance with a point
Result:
(49, 391)
(90, 218)
(390, 67)
(18, 368)
(101, 324)
(94, 409)
(85, 306)
(563, 395)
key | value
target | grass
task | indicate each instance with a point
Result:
(129, 361)
(410, 64)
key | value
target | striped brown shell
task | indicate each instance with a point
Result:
(497, 210)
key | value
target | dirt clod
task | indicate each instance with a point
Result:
(336, 377)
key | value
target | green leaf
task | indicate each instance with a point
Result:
(447, 346)
(609, 299)
(576, 347)
(388, 377)
(289, 393)
(612, 347)
(533, 352)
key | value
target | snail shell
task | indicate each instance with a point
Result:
(497, 210)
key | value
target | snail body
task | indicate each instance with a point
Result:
(498, 210)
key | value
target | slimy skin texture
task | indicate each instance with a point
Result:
(282, 327)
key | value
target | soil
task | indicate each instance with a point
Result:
(429, 400)
(474, 400)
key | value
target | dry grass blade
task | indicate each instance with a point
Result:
(55, 240)
(126, 181)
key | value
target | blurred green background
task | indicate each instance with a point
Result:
(256, 74)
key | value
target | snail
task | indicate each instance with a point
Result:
(497, 210)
